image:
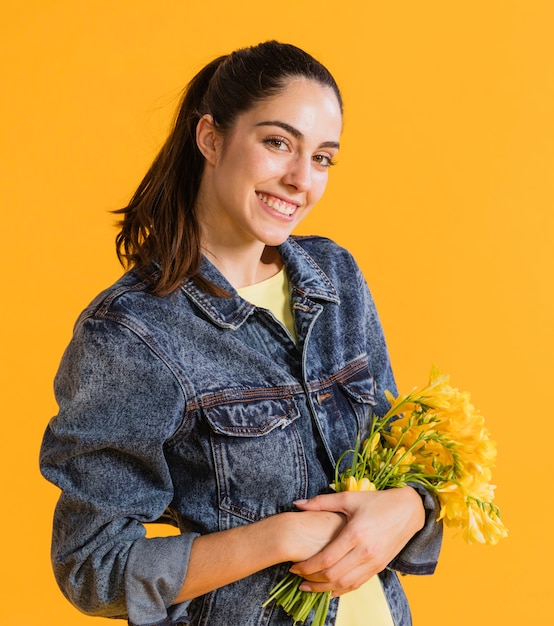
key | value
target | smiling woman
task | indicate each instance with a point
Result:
(217, 383)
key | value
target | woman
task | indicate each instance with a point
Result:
(218, 381)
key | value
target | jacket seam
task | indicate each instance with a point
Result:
(126, 322)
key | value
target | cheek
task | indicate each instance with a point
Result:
(319, 185)
(266, 166)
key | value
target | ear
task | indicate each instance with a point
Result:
(208, 139)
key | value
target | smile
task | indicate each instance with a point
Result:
(282, 207)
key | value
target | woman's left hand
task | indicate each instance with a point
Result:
(379, 524)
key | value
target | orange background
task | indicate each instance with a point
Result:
(444, 192)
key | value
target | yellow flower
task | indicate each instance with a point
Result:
(484, 526)
(351, 484)
(364, 484)
(453, 505)
(390, 398)
(404, 459)
(371, 445)
(474, 529)
(449, 440)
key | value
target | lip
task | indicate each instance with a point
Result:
(283, 211)
(278, 197)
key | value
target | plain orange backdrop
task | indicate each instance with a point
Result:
(444, 192)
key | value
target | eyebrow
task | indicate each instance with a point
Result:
(296, 133)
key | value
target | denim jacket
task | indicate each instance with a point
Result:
(205, 411)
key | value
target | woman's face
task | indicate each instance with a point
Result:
(263, 177)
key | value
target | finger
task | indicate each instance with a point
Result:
(326, 558)
(348, 580)
(326, 502)
(353, 546)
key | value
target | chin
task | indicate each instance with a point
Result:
(275, 241)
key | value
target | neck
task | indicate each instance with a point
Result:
(243, 267)
(243, 259)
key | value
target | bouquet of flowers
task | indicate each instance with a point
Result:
(433, 437)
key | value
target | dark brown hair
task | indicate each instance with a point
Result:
(159, 225)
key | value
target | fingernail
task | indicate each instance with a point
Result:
(303, 501)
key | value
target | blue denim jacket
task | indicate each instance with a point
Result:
(205, 411)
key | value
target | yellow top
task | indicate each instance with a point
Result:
(368, 604)
(272, 294)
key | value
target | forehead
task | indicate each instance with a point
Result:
(306, 105)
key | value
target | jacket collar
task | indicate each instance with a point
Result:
(307, 280)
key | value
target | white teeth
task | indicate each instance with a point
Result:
(281, 207)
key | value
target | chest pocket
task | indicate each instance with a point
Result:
(258, 457)
(345, 404)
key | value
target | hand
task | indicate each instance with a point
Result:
(378, 525)
(308, 532)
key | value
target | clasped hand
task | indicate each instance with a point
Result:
(370, 530)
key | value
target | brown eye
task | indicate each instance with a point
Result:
(279, 143)
(324, 160)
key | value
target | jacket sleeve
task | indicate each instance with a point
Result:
(118, 404)
(421, 553)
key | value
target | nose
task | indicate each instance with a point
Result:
(299, 174)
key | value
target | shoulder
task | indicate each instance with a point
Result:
(333, 259)
(128, 295)
(321, 248)
(127, 311)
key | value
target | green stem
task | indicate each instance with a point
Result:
(322, 609)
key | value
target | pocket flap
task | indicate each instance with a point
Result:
(360, 387)
(251, 417)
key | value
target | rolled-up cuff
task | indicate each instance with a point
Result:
(420, 555)
(154, 575)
